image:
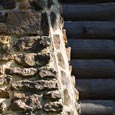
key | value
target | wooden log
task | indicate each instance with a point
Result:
(96, 88)
(92, 49)
(91, 29)
(93, 68)
(105, 11)
(97, 107)
(85, 1)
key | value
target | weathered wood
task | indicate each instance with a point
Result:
(97, 107)
(104, 11)
(91, 29)
(85, 1)
(96, 88)
(93, 68)
(83, 49)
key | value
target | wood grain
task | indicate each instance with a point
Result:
(92, 49)
(91, 29)
(97, 107)
(103, 11)
(96, 88)
(93, 68)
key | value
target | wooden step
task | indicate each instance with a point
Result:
(97, 107)
(103, 11)
(83, 49)
(96, 88)
(91, 29)
(97, 68)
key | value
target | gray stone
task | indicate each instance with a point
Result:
(4, 93)
(17, 95)
(53, 107)
(27, 60)
(52, 95)
(6, 57)
(5, 44)
(22, 72)
(31, 59)
(5, 79)
(47, 73)
(38, 5)
(30, 103)
(32, 44)
(1, 70)
(50, 3)
(3, 28)
(39, 85)
(7, 4)
(3, 17)
(2, 107)
(43, 58)
(24, 23)
(45, 24)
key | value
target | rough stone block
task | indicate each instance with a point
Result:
(50, 3)
(3, 107)
(25, 59)
(5, 79)
(3, 28)
(1, 70)
(6, 57)
(47, 73)
(53, 107)
(38, 5)
(26, 85)
(24, 23)
(7, 4)
(3, 17)
(24, 95)
(45, 24)
(33, 44)
(4, 44)
(22, 72)
(31, 59)
(52, 95)
(23, 4)
(30, 103)
(4, 93)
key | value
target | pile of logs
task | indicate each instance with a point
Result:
(90, 29)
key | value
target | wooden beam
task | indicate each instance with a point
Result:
(85, 1)
(97, 107)
(105, 11)
(92, 49)
(91, 29)
(96, 88)
(93, 68)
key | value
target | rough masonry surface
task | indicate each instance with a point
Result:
(35, 75)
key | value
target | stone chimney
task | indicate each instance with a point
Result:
(35, 75)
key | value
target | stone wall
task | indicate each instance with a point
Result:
(35, 76)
